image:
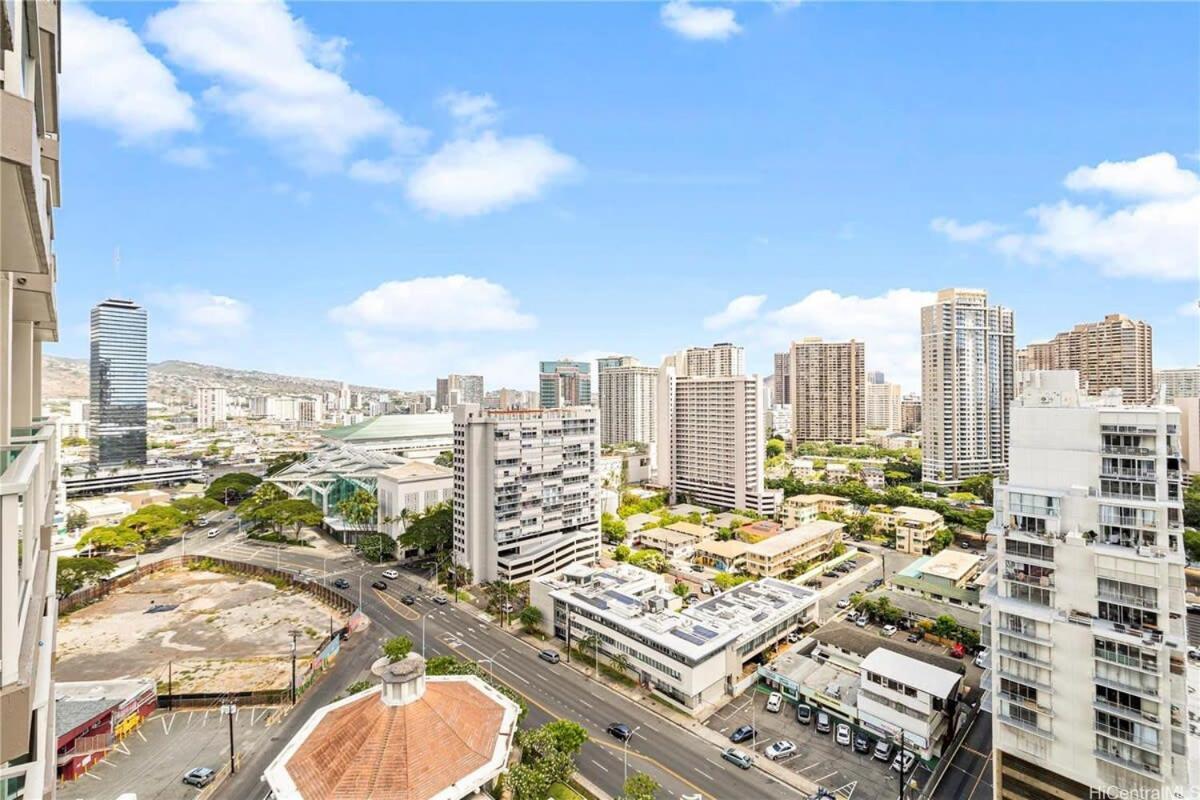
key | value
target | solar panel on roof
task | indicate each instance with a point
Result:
(760, 616)
(707, 633)
(687, 636)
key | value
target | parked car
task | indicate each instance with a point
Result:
(861, 743)
(915, 636)
(980, 659)
(213, 533)
(774, 702)
(883, 750)
(697, 568)
(822, 722)
(737, 757)
(741, 734)
(843, 603)
(199, 777)
(804, 714)
(852, 616)
(781, 749)
(793, 637)
(620, 731)
(408, 599)
(379, 585)
(341, 583)
(843, 734)
(440, 599)
(888, 630)
(391, 574)
(829, 574)
(550, 655)
(958, 651)
(903, 762)
(861, 621)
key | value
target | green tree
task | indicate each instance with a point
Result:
(76, 519)
(621, 552)
(74, 573)
(945, 626)
(775, 447)
(233, 487)
(727, 580)
(620, 662)
(650, 560)
(500, 594)
(193, 508)
(1191, 544)
(111, 538)
(376, 546)
(445, 458)
(980, 486)
(566, 736)
(356, 687)
(432, 531)
(681, 589)
(155, 521)
(295, 514)
(282, 461)
(941, 540)
(360, 509)
(74, 441)
(1191, 505)
(640, 786)
(613, 528)
(397, 648)
(531, 618)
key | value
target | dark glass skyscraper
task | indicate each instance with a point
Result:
(118, 384)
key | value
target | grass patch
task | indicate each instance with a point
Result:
(560, 791)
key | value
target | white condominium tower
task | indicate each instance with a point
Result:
(883, 401)
(526, 490)
(1086, 613)
(1179, 382)
(966, 386)
(627, 400)
(29, 169)
(710, 430)
(828, 391)
(212, 407)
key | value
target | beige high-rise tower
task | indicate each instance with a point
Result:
(828, 391)
(966, 386)
(1115, 353)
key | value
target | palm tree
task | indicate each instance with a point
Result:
(620, 662)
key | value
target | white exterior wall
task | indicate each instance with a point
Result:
(883, 406)
(413, 495)
(627, 404)
(212, 407)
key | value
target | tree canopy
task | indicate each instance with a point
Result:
(397, 648)
(359, 509)
(75, 572)
(239, 486)
(282, 461)
(193, 508)
(432, 531)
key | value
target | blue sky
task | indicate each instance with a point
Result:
(387, 192)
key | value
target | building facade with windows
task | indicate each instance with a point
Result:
(828, 391)
(29, 173)
(526, 491)
(1086, 610)
(628, 392)
(883, 412)
(1183, 382)
(903, 699)
(118, 383)
(562, 384)
(966, 386)
(1115, 353)
(212, 407)
(455, 389)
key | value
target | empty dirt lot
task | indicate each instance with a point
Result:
(227, 633)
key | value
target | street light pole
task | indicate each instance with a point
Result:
(360, 580)
(625, 752)
(295, 634)
(230, 711)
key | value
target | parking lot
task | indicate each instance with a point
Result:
(818, 757)
(151, 761)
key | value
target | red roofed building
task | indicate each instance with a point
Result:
(412, 738)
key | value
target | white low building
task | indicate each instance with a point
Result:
(901, 695)
(694, 656)
(407, 490)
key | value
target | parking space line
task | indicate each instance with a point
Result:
(823, 778)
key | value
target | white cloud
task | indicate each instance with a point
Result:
(384, 170)
(701, 23)
(467, 177)
(110, 79)
(409, 364)
(889, 324)
(278, 79)
(457, 303)
(196, 317)
(740, 309)
(1154, 176)
(471, 111)
(1191, 309)
(188, 156)
(957, 231)
(1153, 236)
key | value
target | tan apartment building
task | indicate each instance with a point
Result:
(828, 391)
(883, 407)
(966, 386)
(801, 509)
(1115, 353)
(775, 555)
(914, 527)
(29, 174)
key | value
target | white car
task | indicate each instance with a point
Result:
(391, 574)
(213, 534)
(774, 702)
(980, 659)
(843, 603)
(889, 630)
(903, 762)
(861, 621)
(843, 734)
(793, 637)
(781, 749)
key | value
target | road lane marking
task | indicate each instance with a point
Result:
(598, 764)
(705, 774)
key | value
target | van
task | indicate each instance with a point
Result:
(823, 725)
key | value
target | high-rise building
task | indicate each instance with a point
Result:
(1085, 612)
(710, 437)
(828, 391)
(344, 397)
(526, 490)
(455, 389)
(1115, 353)
(966, 386)
(875, 376)
(1179, 382)
(883, 401)
(781, 387)
(29, 475)
(212, 407)
(910, 414)
(627, 400)
(118, 383)
(564, 383)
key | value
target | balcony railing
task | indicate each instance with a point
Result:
(1126, 763)
(1133, 474)
(1126, 450)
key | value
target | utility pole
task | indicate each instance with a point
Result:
(295, 634)
(568, 633)
(170, 676)
(230, 711)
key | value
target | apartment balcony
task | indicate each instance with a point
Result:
(1136, 601)
(1020, 576)
(1126, 450)
(1141, 768)
(1023, 725)
(1132, 714)
(1148, 689)
(1128, 474)
(1027, 657)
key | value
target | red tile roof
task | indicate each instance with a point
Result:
(372, 751)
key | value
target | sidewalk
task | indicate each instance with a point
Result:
(649, 700)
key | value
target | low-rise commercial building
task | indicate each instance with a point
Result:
(408, 490)
(902, 696)
(774, 555)
(670, 543)
(950, 577)
(914, 528)
(692, 657)
(90, 717)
